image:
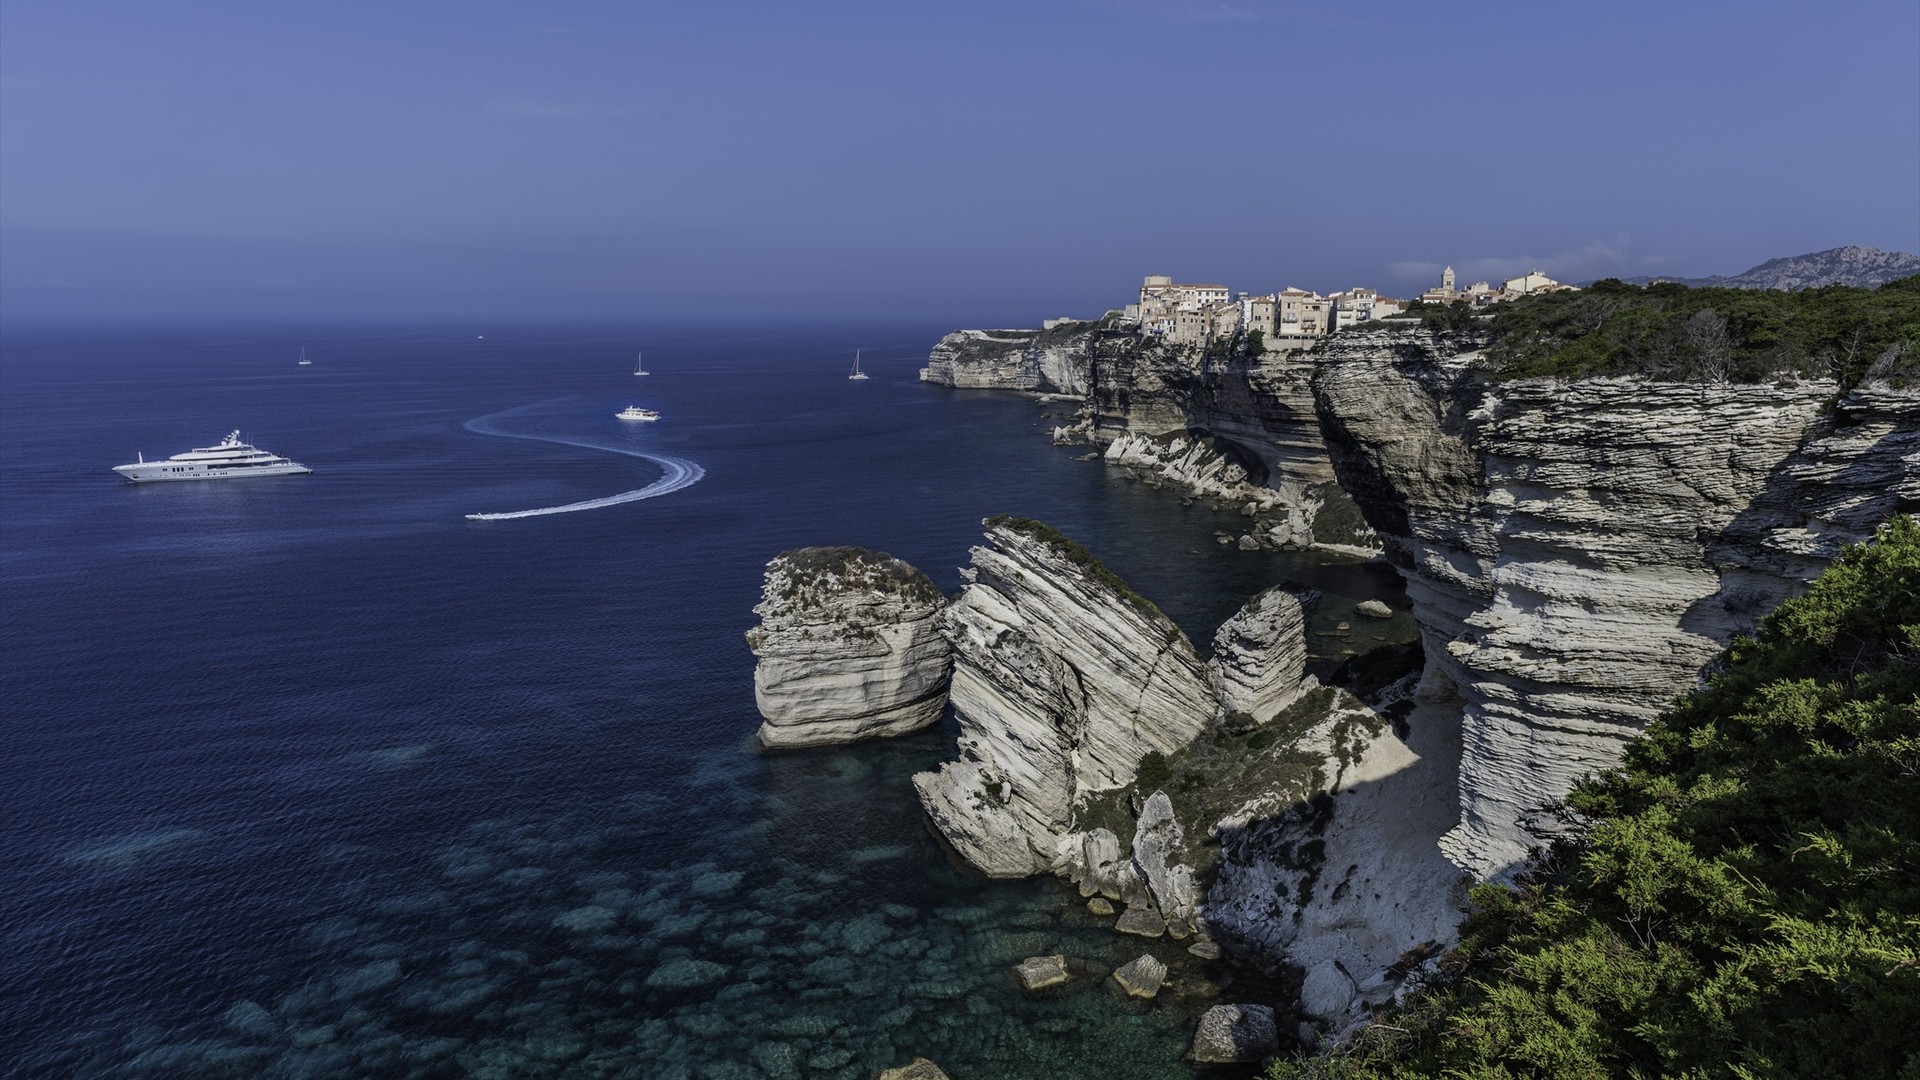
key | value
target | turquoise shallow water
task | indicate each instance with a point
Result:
(315, 777)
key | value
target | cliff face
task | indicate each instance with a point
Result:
(1242, 430)
(848, 648)
(1062, 681)
(1576, 551)
(1036, 361)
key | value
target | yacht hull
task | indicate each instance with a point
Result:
(158, 471)
(230, 460)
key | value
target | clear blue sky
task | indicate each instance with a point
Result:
(984, 162)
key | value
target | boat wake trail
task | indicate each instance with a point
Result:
(678, 472)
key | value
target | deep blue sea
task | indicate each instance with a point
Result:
(312, 776)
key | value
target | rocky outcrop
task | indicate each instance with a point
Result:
(848, 648)
(1339, 871)
(1234, 1033)
(1064, 678)
(1577, 550)
(1259, 661)
(1141, 977)
(1051, 361)
(1240, 430)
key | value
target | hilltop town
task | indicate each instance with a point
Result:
(1292, 317)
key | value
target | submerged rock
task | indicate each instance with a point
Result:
(1041, 972)
(1141, 977)
(1230, 1034)
(917, 1069)
(687, 974)
(252, 1020)
(848, 648)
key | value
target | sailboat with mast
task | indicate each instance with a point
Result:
(304, 362)
(857, 373)
(640, 365)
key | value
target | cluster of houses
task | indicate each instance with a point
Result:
(1199, 314)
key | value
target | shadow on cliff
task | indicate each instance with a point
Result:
(1337, 897)
(1805, 513)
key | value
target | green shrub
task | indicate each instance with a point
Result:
(1672, 332)
(1745, 898)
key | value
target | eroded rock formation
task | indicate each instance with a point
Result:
(1259, 660)
(848, 648)
(1064, 678)
(1241, 430)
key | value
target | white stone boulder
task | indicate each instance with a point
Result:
(1141, 977)
(1041, 972)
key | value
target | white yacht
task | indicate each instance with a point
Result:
(229, 460)
(304, 362)
(857, 373)
(640, 365)
(635, 412)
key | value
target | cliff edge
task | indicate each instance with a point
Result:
(1578, 550)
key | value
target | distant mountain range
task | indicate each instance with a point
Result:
(1851, 265)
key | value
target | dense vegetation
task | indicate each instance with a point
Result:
(805, 571)
(1670, 331)
(1744, 900)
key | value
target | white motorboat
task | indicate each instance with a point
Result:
(635, 412)
(230, 460)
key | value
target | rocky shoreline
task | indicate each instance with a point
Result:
(1576, 551)
(1184, 798)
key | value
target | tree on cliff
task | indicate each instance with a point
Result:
(1669, 331)
(1744, 900)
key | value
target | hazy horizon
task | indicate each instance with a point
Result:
(998, 163)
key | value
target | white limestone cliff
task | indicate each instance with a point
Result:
(1242, 430)
(1063, 680)
(1259, 662)
(848, 647)
(1577, 550)
(1041, 361)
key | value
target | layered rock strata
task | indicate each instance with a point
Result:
(1063, 680)
(1190, 417)
(1577, 550)
(848, 647)
(1259, 662)
(1052, 361)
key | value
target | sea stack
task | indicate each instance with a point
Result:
(1064, 678)
(848, 648)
